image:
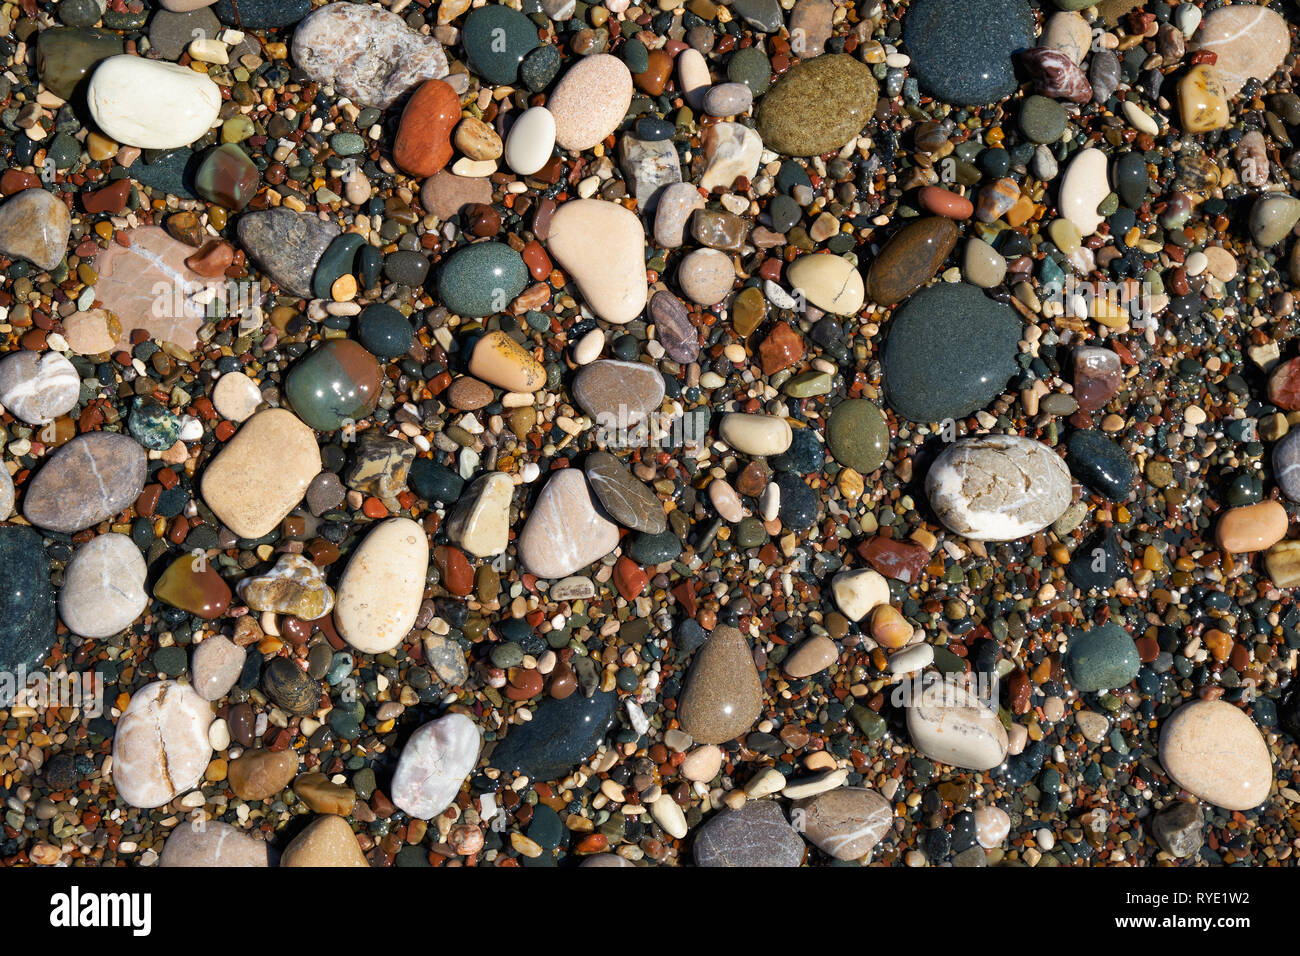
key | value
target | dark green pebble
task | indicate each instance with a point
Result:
(1101, 465)
(434, 483)
(385, 331)
(496, 40)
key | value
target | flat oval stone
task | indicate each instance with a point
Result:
(627, 499)
(602, 246)
(496, 40)
(366, 53)
(858, 435)
(590, 101)
(757, 435)
(215, 844)
(673, 327)
(262, 473)
(61, 498)
(845, 823)
(961, 53)
(723, 695)
(1250, 528)
(618, 395)
(35, 225)
(434, 763)
(563, 733)
(38, 387)
(998, 487)
(564, 532)
(287, 245)
(1101, 465)
(150, 103)
(290, 687)
(812, 656)
(831, 283)
(500, 360)
(910, 259)
(1083, 186)
(1250, 41)
(103, 587)
(423, 143)
(950, 351)
(1213, 750)
(26, 599)
(706, 276)
(335, 384)
(817, 106)
(482, 279)
(215, 666)
(1104, 658)
(531, 140)
(756, 835)
(949, 724)
(261, 774)
(382, 586)
(160, 747)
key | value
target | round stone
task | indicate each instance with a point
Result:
(1101, 464)
(723, 695)
(482, 279)
(38, 387)
(1213, 750)
(858, 435)
(335, 384)
(161, 748)
(962, 52)
(59, 498)
(817, 106)
(1104, 658)
(103, 587)
(496, 40)
(1042, 119)
(950, 724)
(384, 331)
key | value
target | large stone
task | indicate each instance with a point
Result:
(818, 106)
(366, 53)
(618, 395)
(602, 246)
(998, 487)
(334, 385)
(435, 762)
(150, 103)
(38, 387)
(262, 473)
(564, 531)
(287, 245)
(327, 841)
(625, 497)
(161, 748)
(1250, 41)
(910, 259)
(211, 843)
(26, 601)
(35, 225)
(480, 522)
(563, 733)
(1213, 750)
(845, 823)
(723, 695)
(90, 479)
(261, 774)
(382, 586)
(103, 587)
(590, 101)
(950, 724)
(961, 52)
(756, 835)
(830, 282)
(1104, 658)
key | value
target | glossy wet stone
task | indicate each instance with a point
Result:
(562, 733)
(818, 106)
(858, 435)
(627, 500)
(1103, 658)
(60, 499)
(998, 487)
(497, 39)
(481, 279)
(1213, 750)
(1101, 465)
(910, 259)
(722, 696)
(192, 585)
(66, 56)
(336, 383)
(26, 599)
(950, 351)
(962, 53)
(228, 177)
(289, 686)
(384, 332)
(286, 244)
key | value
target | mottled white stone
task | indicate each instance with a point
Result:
(38, 387)
(103, 587)
(950, 724)
(161, 746)
(434, 763)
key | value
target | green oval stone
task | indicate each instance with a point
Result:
(335, 384)
(858, 435)
(482, 279)
(818, 106)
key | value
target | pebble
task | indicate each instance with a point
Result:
(755, 435)
(626, 499)
(215, 666)
(286, 244)
(1083, 186)
(327, 841)
(35, 225)
(1180, 829)
(706, 276)
(992, 826)
(858, 435)
(811, 657)
(496, 40)
(731, 152)
(982, 265)
(160, 748)
(618, 394)
(1249, 41)
(422, 146)
(434, 763)
(949, 724)
(1273, 217)
(531, 141)
(564, 531)
(261, 774)
(59, 497)
(1212, 749)
(910, 259)
(481, 279)
(27, 620)
(236, 397)
(755, 835)
(728, 99)
(1104, 658)
(38, 388)
(214, 844)
(829, 282)
(722, 696)
(1101, 465)
(501, 361)
(6, 495)
(857, 593)
(367, 53)
(818, 106)
(1203, 100)
(602, 246)
(563, 732)
(380, 592)
(962, 54)
(845, 823)
(590, 101)
(295, 586)
(127, 96)
(93, 332)
(1251, 528)
(262, 473)
(998, 487)
(103, 589)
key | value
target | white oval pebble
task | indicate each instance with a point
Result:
(434, 763)
(382, 586)
(530, 141)
(103, 587)
(38, 388)
(151, 103)
(161, 748)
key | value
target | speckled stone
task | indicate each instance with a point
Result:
(1104, 658)
(723, 695)
(434, 763)
(756, 835)
(818, 106)
(26, 600)
(496, 40)
(482, 279)
(950, 351)
(962, 52)
(286, 245)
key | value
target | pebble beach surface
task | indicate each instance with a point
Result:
(756, 433)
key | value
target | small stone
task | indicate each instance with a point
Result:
(215, 666)
(962, 54)
(602, 246)
(564, 532)
(1083, 187)
(673, 327)
(629, 501)
(731, 152)
(93, 332)
(1213, 750)
(1203, 100)
(261, 774)
(422, 146)
(982, 265)
(1251, 528)
(1097, 377)
(480, 522)
(1180, 830)
(563, 732)
(1272, 218)
(1249, 40)
(161, 748)
(503, 362)
(482, 279)
(829, 282)
(858, 592)
(531, 141)
(1104, 658)
(380, 592)
(590, 101)
(496, 40)
(323, 795)
(434, 763)
(236, 396)
(757, 435)
(129, 95)
(1101, 465)
(706, 276)
(910, 259)
(998, 487)
(858, 436)
(103, 587)
(811, 657)
(445, 194)
(295, 586)
(290, 686)
(287, 245)
(722, 696)
(35, 225)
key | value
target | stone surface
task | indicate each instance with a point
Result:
(382, 585)
(563, 733)
(262, 473)
(1273, 217)
(757, 435)
(480, 522)
(482, 279)
(722, 696)
(1203, 100)
(88, 480)
(497, 39)
(500, 360)
(564, 532)
(423, 143)
(434, 763)
(127, 95)
(949, 724)
(103, 587)
(38, 387)
(295, 586)
(336, 384)
(1213, 750)
(858, 435)
(950, 351)
(590, 101)
(998, 487)
(623, 496)
(445, 194)
(1104, 658)
(1180, 829)
(161, 748)
(910, 259)
(962, 53)
(845, 823)
(1250, 41)
(1083, 186)
(818, 106)
(756, 835)
(215, 665)
(26, 600)
(327, 841)
(618, 394)
(1250, 528)
(214, 844)
(1101, 464)
(35, 225)
(287, 245)
(366, 53)
(829, 282)
(602, 247)
(261, 774)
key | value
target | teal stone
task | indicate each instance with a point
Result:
(26, 601)
(79, 13)
(228, 177)
(496, 40)
(347, 144)
(170, 173)
(1131, 179)
(340, 259)
(369, 266)
(65, 57)
(1104, 658)
(1042, 119)
(153, 425)
(434, 483)
(482, 279)
(540, 67)
(649, 550)
(951, 350)
(65, 151)
(262, 14)
(636, 56)
(858, 435)
(751, 67)
(337, 383)
(385, 331)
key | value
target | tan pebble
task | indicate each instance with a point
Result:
(1251, 527)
